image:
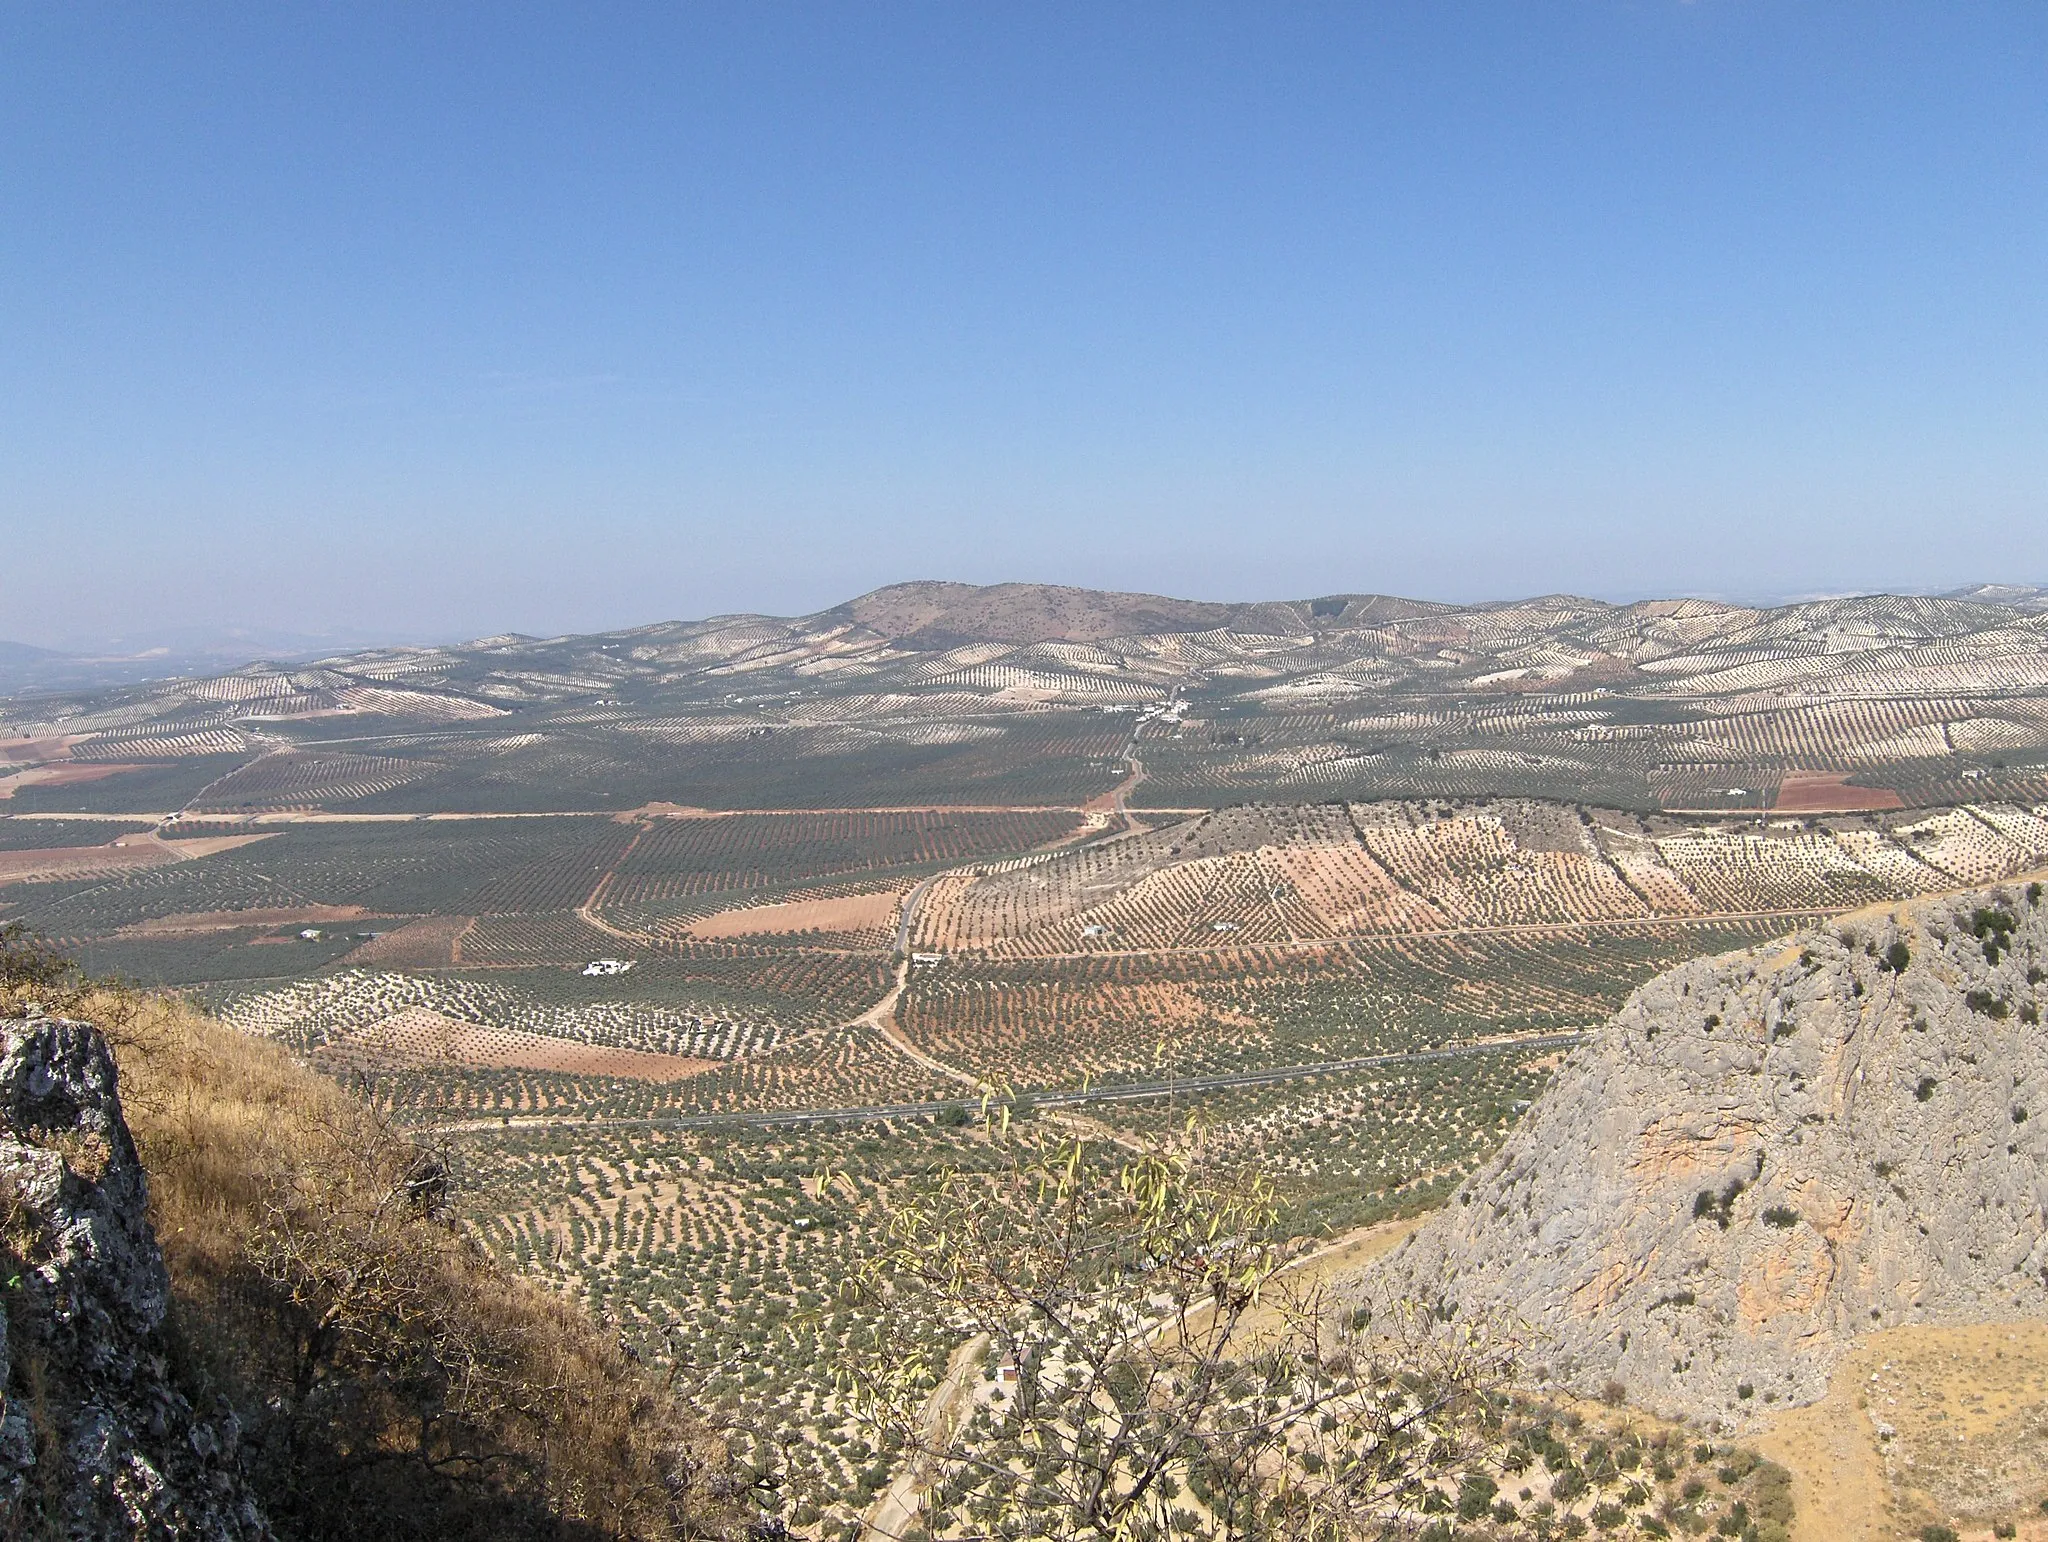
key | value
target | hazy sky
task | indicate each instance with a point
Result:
(432, 320)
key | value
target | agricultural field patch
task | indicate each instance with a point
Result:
(1829, 792)
(18, 834)
(112, 788)
(419, 1038)
(1278, 874)
(430, 942)
(1052, 1023)
(862, 919)
(246, 957)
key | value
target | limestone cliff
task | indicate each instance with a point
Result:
(1763, 1155)
(95, 1439)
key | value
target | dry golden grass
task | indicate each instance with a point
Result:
(1925, 1424)
(395, 1381)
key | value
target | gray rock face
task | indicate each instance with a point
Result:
(1762, 1156)
(95, 1441)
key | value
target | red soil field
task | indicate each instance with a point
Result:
(418, 1037)
(61, 775)
(1829, 792)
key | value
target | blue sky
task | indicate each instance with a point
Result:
(435, 320)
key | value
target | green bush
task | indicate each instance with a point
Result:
(1475, 1496)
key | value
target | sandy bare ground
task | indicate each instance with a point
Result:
(419, 1038)
(1923, 1425)
(192, 921)
(73, 861)
(140, 849)
(897, 1505)
(1294, 1288)
(63, 774)
(845, 913)
(1829, 792)
(207, 845)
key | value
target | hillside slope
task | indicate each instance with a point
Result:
(315, 1351)
(1036, 694)
(1762, 1156)
(96, 1437)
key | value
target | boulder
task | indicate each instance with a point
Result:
(96, 1439)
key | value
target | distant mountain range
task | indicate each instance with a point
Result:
(947, 692)
(923, 616)
(167, 654)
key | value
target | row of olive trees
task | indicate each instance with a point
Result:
(1150, 1373)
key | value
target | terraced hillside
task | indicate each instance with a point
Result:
(701, 944)
(758, 960)
(1035, 696)
(1285, 875)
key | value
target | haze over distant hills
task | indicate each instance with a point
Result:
(1026, 693)
(677, 904)
(159, 655)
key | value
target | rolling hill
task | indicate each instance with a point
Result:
(1030, 694)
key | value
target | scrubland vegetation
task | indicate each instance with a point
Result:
(392, 1379)
(1361, 826)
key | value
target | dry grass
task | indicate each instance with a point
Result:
(1925, 1424)
(394, 1380)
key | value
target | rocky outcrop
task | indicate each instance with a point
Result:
(1765, 1154)
(96, 1441)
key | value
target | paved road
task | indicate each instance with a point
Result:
(1124, 1092)
(908, 917)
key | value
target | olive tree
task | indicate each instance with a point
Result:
(1147, 1367)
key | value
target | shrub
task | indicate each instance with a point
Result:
(1707, 1205)
(1925, 1090)
(1782, 1217)
(393, 1380)
(1475, 1496)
